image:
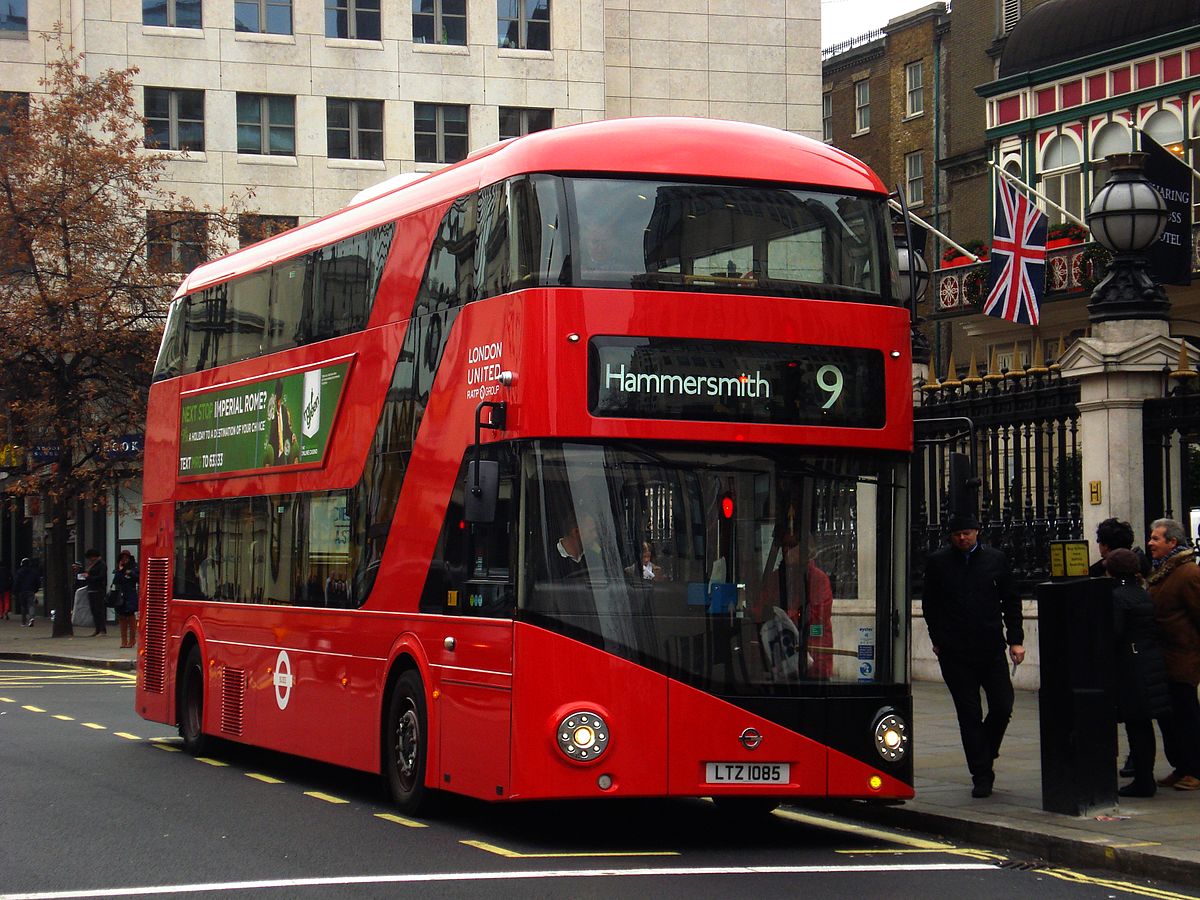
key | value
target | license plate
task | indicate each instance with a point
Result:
(747, 773)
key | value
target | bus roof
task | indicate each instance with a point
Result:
(686, 147)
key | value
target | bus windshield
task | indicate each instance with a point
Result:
(715, 237)
(760, 572)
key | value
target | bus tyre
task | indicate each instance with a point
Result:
(406, 745)
(746, 808)
(191, 703)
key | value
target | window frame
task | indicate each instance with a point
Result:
(523, 21)
(439, 133)
(438, 15)
(914, 197)
(175, 244)
(263, 7)
(354, 129)
(862, 106)
(357, 12)
(172, 11)
(264, 124)
(174, 120)
(523, 114)
(7, 20)
(914, 88)
(827, 116)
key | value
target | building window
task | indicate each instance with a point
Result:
(517, 122)
(352, 19)
(1062, 178)
(523, 24)
(14, 107)
(355, 128)
(175, 241)
(862, 106)
(174, 119)
(263, 16)
(914, 85)
(254, 228)
(266, 124)
(827, 116)
(14, 18)
(440, 22)
(914, 178)
(440, 132)
(171, 13)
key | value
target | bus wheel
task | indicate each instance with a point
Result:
(191, 703)
(746, 808)
(406, 745)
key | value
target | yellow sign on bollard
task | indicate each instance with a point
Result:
(1068, 559)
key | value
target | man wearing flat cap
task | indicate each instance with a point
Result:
(973, 612)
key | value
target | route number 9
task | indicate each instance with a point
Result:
(830, 380)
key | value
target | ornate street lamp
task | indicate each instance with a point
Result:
(914, 276)
(1127, 216)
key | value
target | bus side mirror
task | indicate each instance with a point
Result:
(482, 490)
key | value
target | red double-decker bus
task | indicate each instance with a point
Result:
(577, 469)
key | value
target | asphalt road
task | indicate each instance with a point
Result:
(95, 802)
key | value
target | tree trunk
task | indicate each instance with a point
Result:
(60, 587)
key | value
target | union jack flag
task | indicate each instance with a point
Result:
(1018, 275)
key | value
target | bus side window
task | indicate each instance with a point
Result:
(248, 311)
(450, 273)
(205, 328)
(538, 225)
(492, 273)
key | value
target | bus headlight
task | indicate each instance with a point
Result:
(891, 735)
(582, 736)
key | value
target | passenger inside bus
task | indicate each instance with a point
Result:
(646, 569)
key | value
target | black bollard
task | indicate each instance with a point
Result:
(1076, 709)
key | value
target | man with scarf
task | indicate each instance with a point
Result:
(1175, 590)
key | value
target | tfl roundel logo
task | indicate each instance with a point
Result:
(750, 738)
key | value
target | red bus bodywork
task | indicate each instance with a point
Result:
(496, 689)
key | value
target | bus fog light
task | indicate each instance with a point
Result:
(891, 735)
(582, 736)
(604, 782)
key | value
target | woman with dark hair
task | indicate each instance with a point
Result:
(1141, 670)
(125, 580)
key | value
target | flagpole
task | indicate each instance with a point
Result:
(1023, 186)
(961, 249)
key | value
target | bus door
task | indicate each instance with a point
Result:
(470, 645)
(745, 638)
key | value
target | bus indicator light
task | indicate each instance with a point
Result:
(875, 782)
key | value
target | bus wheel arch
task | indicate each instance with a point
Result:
(404, 737)
(189, 696)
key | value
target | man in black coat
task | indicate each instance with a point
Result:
(973, 612)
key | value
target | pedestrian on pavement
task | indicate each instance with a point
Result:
(1175, 590)
(96, 573)
(26, 583)
(973, 612)
(6, 583)
(1113, 534)
(125, 580)
(1141, 670)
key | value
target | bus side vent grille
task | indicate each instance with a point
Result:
(158, 591)
(233, 700)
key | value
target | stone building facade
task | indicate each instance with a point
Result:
(310, 101)
(379, 89)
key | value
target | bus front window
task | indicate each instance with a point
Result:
(714, 237)
(745, 573)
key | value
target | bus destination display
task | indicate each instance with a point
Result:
(735, 381)
(282, 421)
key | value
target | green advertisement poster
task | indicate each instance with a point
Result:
(281, 421)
